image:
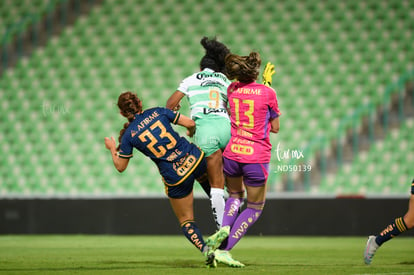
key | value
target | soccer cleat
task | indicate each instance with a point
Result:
(214, 241)
(370, 249)
(223, 256)
(210, 258)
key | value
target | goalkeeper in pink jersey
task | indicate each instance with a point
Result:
(254, 114)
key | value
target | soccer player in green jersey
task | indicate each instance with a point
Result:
(207, 95)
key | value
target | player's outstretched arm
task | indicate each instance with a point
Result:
(120, 163)
(268, 72)
(173, 103)
(187, 123)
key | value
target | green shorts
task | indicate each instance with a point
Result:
(212, 133)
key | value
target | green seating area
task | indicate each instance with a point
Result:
(385, 169)
(17, 14)
(59, 103)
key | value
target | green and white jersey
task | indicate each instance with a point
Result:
(207, 93)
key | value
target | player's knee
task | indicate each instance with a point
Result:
(216, 155)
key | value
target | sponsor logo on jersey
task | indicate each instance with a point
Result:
(202, 76)
(242, 149)
(174, 155)
(186, 166)
(209, 83)
(207, 111)
(243, 141)
(244, 133)
(147, 120)
(248, 91)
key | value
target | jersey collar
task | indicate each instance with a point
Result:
(208, 70)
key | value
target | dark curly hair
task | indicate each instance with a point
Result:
(243, 68)
(129, 104)
(215, 54)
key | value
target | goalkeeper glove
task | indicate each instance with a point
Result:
(269, 70)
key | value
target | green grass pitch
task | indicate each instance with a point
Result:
(98, 254)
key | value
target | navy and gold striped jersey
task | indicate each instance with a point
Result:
(151, 133)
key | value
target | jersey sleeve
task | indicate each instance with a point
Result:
(173, 116)
(184, 85)
(273, 104)
(126, 148)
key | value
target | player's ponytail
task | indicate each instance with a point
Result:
(243, 68)
(215, 54)
(129, 104)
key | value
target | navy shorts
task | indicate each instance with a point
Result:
(254, 174)
(186, 187)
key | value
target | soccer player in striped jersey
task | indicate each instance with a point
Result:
(395, 228)
(254, 114)
(206, 92)
(179, 161)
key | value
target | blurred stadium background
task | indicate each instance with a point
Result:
(344, 77)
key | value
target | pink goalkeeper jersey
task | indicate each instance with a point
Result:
(252, 107)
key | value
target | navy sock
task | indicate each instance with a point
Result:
(392, 230)
(193, 234)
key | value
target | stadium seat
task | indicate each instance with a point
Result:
(325, 53)
(385, 168)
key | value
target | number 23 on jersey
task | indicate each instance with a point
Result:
(160, 150)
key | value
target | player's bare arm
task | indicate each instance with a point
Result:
(187, 123)
(275, 125)
(120, 163)
(173, 103)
